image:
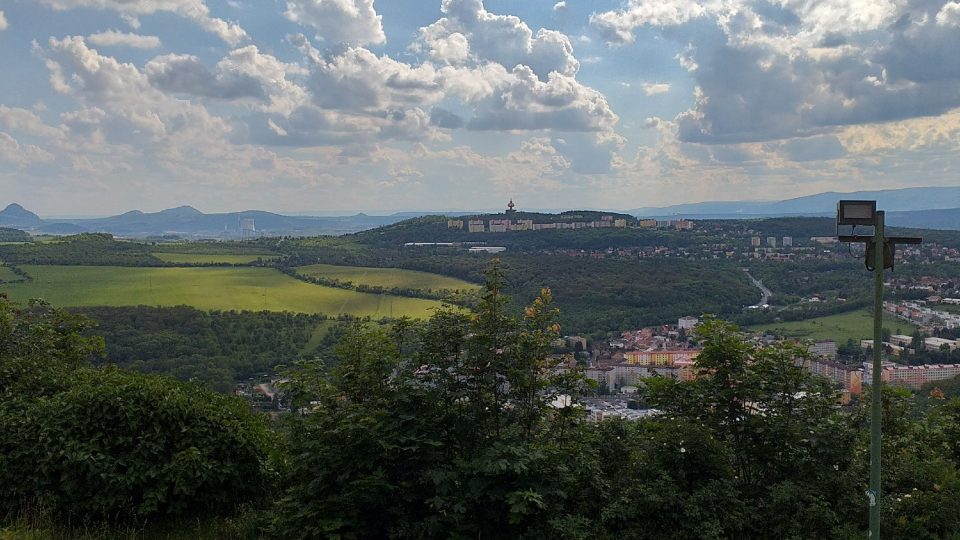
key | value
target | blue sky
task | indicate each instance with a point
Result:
(379, 106)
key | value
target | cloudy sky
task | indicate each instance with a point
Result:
(384, 105)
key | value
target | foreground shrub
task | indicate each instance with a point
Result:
(123, 445)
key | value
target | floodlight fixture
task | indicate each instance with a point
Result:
(856, 213)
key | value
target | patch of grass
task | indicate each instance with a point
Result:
(386, 277)
(319, 333)
(6, 274)
(949, 308)
(854, 325)
(208, 288)
(211, 258)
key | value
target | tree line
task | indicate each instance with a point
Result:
(216, 348)
(13, 235)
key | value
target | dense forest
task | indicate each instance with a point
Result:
(460, 426)
(84, 249)
(596, 295)
(217, 348)
(104, 250)
(13, 235)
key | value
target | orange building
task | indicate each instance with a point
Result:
(664, 357)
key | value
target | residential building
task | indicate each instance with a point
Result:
(823, 349)
(772, 241)
(476, 226)
(787, 241)
(522, 225)
(487, 249)
(901, 340)
(577, 342)
(849, 377)
(687, 323)
(868, 344)
(935, 343)
(911, 376)
(499, 225)
(603, 375)
(660, 357)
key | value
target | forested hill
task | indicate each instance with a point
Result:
(13, 235)
(435, 229)
(593, 293)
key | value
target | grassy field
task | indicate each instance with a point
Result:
(855, 324)
(204, 288)
(6, 274)
(211, 258)
(386, 277)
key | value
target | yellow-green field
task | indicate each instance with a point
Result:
(210, 258)
(855, 324)
(386, 277)
(206, 289)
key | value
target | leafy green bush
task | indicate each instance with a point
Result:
(39, 347)
(123, 445)
(105, 444)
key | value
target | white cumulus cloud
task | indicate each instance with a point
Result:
(115, 38)
(469, 31)
(788, 68)
(194, 10)
(560, 103)
(949, 14)
(355, 22)
(652, 89)
(21, 155)
(244, 74)
(3, 21)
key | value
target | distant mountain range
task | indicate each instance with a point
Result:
(929, 207)
(890, 200)
(189, 222)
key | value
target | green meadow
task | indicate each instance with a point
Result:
(206, 289)
(211, 258)
(6, 274)
(854, 324)
(386, 277)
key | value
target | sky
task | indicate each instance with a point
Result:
(390, 105)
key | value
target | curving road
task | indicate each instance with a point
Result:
(764, 291)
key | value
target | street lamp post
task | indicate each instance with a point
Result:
(875, 416)
(881, 249)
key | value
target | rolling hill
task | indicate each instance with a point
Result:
(892, 200)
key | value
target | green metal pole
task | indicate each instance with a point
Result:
(875, 390)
